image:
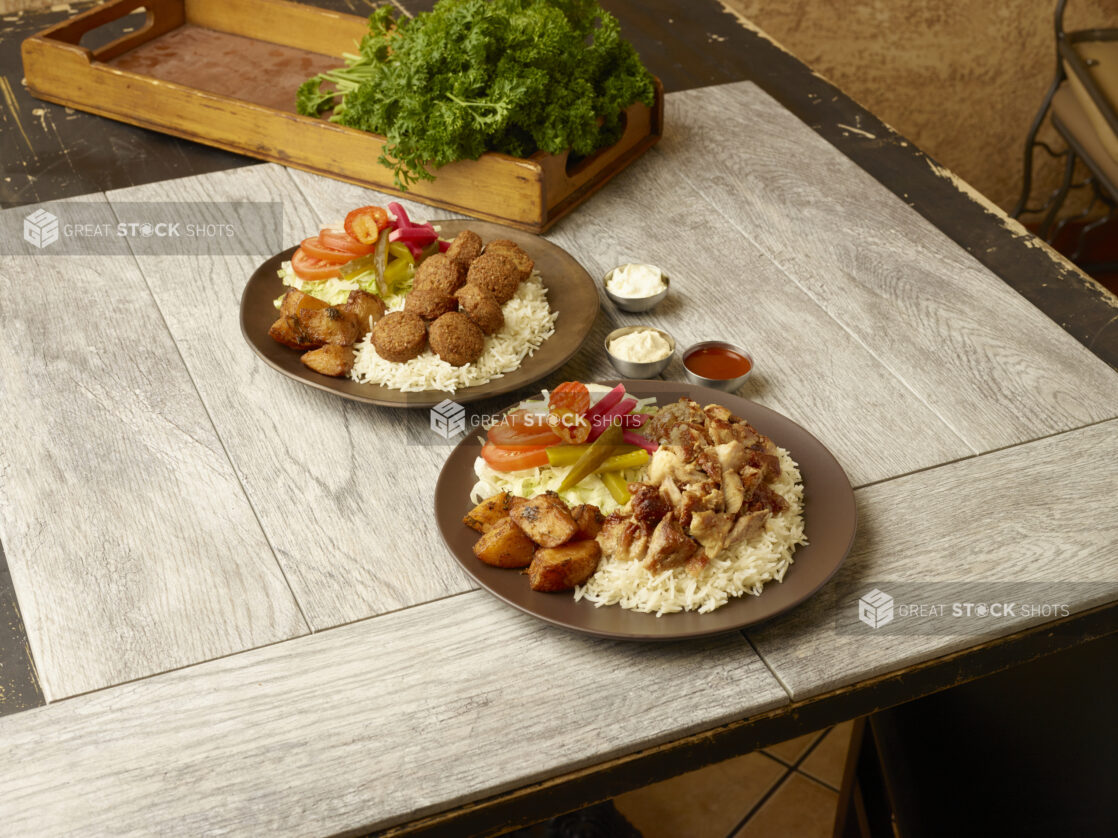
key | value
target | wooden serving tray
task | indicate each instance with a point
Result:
(225, 72)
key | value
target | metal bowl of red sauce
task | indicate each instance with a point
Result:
(714, 363)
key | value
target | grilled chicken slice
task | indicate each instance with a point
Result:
(546, 520)
(622, 538)
(330, 360)
(647, 505)
(669, 545)
(731, 455)
(766, 498)
(672, 414)
(668, 461)
(671, 492)
(733, 493)
(710, 530)
(747, 527)
(716, 412)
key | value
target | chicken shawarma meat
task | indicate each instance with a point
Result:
(623, 538)
(669, 545)
(707, 489)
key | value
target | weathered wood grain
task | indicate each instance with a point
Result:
(989, 363)
(723, 288)
(131, 546)
(1033, 513)
(343, 490)
(364, 725)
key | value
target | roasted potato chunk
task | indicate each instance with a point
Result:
(505, 545)
(561, 568)
(294, 300)
(328, 325)
(546, 520)
(331, 360)
(488, 512)
(589, 519)
(365, 308)
(289, 332)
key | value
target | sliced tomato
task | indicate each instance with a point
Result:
(520, 428)
(571, 396)
(365, 223)
(514, 459)
(341, 240)
(571, 428)
(311, 269)
(315, 248)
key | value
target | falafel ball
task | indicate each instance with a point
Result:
(464, 248)
(496, 273)
(457, 339)
(430, 303)
(399, 336)
(515, 253)
(479, 304)
(438, 272)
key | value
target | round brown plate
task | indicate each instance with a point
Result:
(570, 291)
(829, 520)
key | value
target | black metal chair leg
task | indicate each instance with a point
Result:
(1061, 196)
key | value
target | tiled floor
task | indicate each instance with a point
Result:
(788, 790)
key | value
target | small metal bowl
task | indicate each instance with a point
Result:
(729, 385)
(637, 369)
(636, 304)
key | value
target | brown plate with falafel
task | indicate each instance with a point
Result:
(456, 327)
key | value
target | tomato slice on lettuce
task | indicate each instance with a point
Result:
(311, 269)
(315, 248)
(571, 396)
(521, 428)
(341, 240)
(365, 224)
(514, 459)
(571, 428)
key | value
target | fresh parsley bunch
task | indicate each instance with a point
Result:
(472, 76)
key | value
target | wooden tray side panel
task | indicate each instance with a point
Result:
(495, 187)
(280, 22)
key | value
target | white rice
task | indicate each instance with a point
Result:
(743, 569)
(529, 321)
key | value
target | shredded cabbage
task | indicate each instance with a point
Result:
(533, 481)
(335, 291)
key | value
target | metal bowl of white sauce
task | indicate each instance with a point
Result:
(636, 287)
(626, 357)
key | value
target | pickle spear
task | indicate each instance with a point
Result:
(599, 451)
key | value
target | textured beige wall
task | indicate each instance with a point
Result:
(961, 78)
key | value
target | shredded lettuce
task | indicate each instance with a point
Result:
(336, 291)
(533, 481)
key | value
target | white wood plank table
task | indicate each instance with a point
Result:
(243, 617)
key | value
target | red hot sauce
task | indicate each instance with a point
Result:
(717, 362)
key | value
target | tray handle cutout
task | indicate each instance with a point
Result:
(162, 16)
